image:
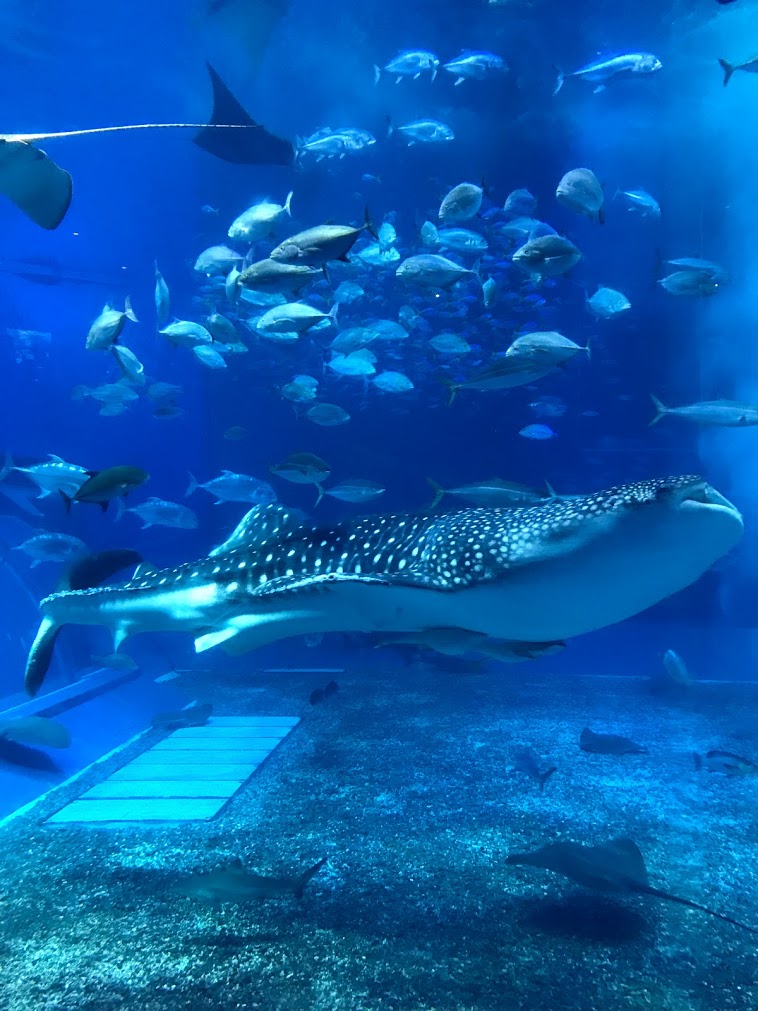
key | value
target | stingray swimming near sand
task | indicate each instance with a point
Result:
(615, 866)
(43, 190)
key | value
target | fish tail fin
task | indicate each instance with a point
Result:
(390, 127)
(660, 409)
(552, 493)
(588, 349)
(288, 203)
(434, 235)
(66, 500)
(649, 890)
(128, 311)
(304, 878)
(377, 74)
(7, 467)
(728, 71)
(545, 776)
(560, 79)
(452, 389)
(320, 494)
(120, 509)
(438, 490)
(698, 761)
(368, 224)
(332, 314)
(40, 655)
(192, 486)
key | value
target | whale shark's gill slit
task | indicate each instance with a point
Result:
(282, 585)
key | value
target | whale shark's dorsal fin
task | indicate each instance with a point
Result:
(260, 525)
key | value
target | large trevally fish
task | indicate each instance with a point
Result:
(537, 574)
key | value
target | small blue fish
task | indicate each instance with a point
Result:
(538, 432)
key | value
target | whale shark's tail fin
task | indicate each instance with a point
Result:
(90, 571)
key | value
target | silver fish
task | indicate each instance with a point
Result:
(316, 246)
(580, 190)
(162, 298)
(725, 413)
(410, 63)
(608, 67)
(106, 328)
(273, 276)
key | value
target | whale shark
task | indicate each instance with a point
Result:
(536, 574)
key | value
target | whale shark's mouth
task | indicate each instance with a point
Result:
(702, 496)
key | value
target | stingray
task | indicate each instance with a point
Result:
(38, 731)
(42, 189)
(615, 866)
(609, 744)
(197, 715)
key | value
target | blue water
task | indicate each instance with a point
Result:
(153, 196)
(138, 198)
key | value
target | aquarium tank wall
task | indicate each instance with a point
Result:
(379, 415)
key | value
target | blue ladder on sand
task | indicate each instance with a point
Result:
(188, 776)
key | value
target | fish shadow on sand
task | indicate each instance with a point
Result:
(583, 917)
(225, 940)
(31, 761)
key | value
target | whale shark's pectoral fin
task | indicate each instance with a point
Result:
(219, 636)
(244, 631)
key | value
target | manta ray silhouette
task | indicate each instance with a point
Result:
(43, 190)
(615, 866)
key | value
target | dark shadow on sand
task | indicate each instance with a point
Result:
(584, 917)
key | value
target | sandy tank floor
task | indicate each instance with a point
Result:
(406, 783)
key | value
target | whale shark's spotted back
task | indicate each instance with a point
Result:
(446, 551)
